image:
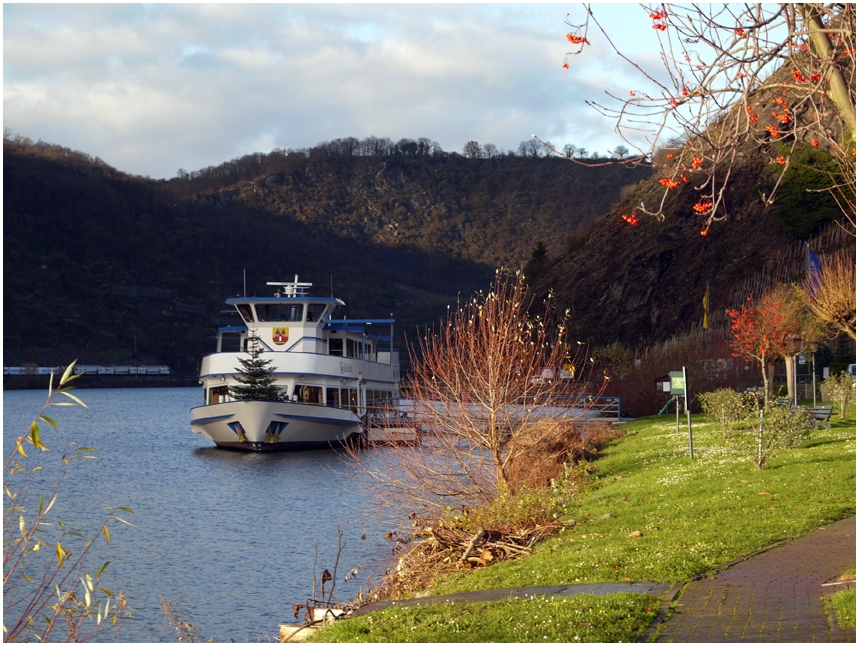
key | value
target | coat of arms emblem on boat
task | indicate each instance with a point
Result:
(280, 335)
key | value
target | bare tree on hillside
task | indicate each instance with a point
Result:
(529, 149)
(739, 77)
(490, 151)
(428, 147)
(472, 150)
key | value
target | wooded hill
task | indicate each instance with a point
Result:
(111, 268)
(642, 283)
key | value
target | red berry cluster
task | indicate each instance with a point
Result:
(702, 207)
(658, 18)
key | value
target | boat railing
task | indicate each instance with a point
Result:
(387, 412)
(315, 339)
(267, 347)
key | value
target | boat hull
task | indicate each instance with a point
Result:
(275, 426)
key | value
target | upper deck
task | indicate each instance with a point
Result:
(294, 321)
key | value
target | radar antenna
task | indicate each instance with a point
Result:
(292, 289)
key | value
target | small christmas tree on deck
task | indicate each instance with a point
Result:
(256, 382)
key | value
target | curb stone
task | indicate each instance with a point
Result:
(663, 612)
(503, 594)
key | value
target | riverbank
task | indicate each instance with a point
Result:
(40, 382)
(653, 514)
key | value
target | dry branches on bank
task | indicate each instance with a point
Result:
(444, 548)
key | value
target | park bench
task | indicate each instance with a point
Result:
(784, 401)
(821, 414)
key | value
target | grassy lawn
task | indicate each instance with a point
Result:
(692, 515)
(586, 618)
(651, 514)
(844, 604)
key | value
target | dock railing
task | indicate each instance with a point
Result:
(606, 407)
(584, 407)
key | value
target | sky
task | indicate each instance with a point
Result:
(152, 88)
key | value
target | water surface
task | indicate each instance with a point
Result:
(230, 536)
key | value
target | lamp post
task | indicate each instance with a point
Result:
(811, 346)
(794, 346)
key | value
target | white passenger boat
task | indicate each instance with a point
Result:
(330, 373)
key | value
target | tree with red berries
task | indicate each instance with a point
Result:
(775, 77)
(760, 330)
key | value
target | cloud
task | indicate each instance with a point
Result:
(152, 88)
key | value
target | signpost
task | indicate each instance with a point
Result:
(680, 387)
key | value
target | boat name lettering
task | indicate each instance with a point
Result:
(345, 367)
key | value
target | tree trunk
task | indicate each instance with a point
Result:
(789, 371)
(839, 91)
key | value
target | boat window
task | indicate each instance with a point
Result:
(352, 348)
(314, 311)
(245, 310)
(376, 396)
(218, 395)
(335, 346)
(332, 397)
(277, 312)
(307, 394)
(349, 398)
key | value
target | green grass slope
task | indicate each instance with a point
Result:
(692, 515)
(586, 618)
(651, 514)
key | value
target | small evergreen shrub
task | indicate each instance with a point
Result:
(788, 427)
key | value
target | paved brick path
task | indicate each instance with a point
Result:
(772, 597)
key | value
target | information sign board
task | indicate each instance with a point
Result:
(678, 383)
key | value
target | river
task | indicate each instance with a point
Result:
(231, 537)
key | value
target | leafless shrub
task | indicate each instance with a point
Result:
(831, 295)
(188, 633)
(481, 383)
(562, 442)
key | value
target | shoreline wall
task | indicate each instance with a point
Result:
(33, 382)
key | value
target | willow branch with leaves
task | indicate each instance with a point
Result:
(45, 586)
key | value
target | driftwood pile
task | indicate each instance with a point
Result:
(443, 548)
(484, 547)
